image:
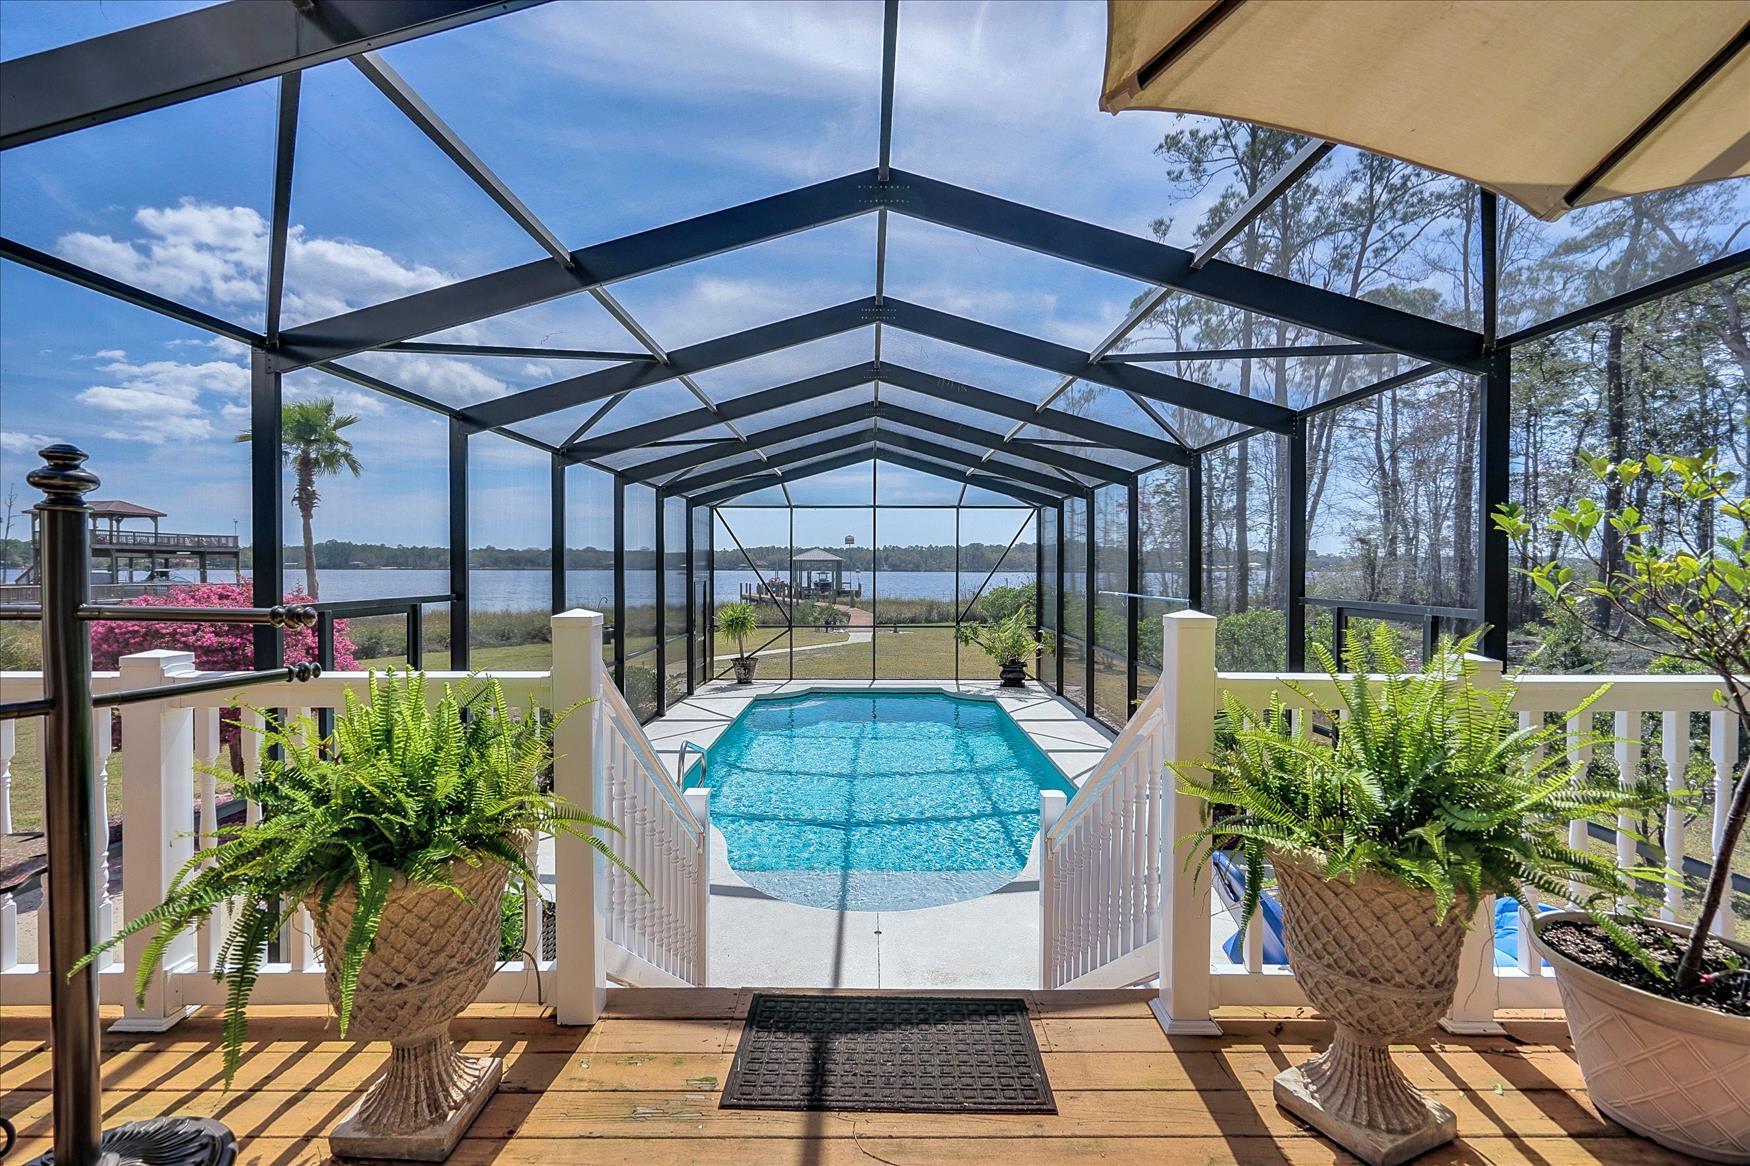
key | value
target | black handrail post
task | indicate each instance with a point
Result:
(71, 805)
(416, 637)
(1295, 572)
(459, 590)
(1194, 533)
(1339, 633)
(266, 504)
(74, 813)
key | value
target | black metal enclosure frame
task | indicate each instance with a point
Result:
(230, 44)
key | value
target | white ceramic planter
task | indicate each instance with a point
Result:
(1669, 1071)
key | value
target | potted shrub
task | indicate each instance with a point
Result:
(737, 621)
(1010, 642)
(1660, 1014)
(398, 834)
(1384, 839)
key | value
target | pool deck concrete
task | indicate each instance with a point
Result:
(988, 942)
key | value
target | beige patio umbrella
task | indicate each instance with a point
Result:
(1554, 104)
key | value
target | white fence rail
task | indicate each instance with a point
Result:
(1094, 877)
(603, 763)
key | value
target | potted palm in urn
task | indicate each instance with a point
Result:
(1660, 1012)
(738, 622)
(1009, 641)
(398, 835)
(1384, 837)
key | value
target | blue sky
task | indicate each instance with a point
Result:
(567, 104)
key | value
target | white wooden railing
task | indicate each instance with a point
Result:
(1094, 880)
(1100, 865)
(606, 925)
(658, 931)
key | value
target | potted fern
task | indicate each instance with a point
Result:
(398, 834)
(737, 621)
(1384, 837)
(1010, 642)
(1660, 1013)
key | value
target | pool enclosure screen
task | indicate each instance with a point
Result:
(873, 456)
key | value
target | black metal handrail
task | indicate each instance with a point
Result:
(411, 606)
(72, 806)
(1431, 618)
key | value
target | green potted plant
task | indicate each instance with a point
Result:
(398, 834)
(1010, 642)
(1661, 1023)
(1384, 837)
(737, 621)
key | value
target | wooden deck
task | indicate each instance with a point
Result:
(641, 1088)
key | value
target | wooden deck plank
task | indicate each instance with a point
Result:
(642, 1086)
(1235, 1151)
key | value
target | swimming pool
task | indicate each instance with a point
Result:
(877, 801)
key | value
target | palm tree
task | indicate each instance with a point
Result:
(312, 443)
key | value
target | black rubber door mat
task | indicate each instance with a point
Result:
(893, 1054)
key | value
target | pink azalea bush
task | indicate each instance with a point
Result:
(218, 647)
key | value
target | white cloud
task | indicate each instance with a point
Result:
(24, 442)
(159, 401)
(198, 252)
(109, 354)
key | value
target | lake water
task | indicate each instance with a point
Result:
(531, 590)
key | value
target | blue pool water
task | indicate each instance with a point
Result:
(863, 802)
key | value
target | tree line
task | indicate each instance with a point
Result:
(1392, 490)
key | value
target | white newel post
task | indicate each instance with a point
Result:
(581, 991)
(157, 824)
(1052, 804)
(699, 805)
(1473, 1007)
(1187, 734)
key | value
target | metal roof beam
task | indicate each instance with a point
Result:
(759, 478)
(801, 453)
(679, 463)
(708, 354)
(993, 442)
(1260, 353)
(947, 453)
(1273, 188)
(755, 479)
(982, 481)
(924, 384)
(1156, 263)
(1059, 358)
(1728, 264)
(209, 50)
(71, 272)
(735, 408)
(402, 96)
(503, 291)
(527, 353)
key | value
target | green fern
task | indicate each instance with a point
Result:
(1427, 779)
(402, 786)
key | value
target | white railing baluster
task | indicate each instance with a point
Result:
(1579, 754)
(1674, 728)
(206, 755)
(1626, 726)
(1523, 955)
(102, 742)
(1722, 740)
(8, 908)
